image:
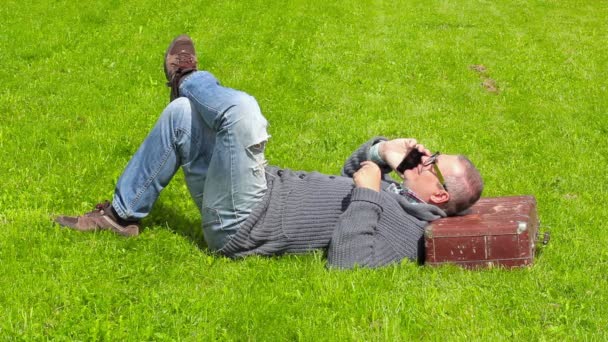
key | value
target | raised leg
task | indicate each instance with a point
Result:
(235, 178)
(179, 138)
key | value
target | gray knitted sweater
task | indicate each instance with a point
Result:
(303, 211)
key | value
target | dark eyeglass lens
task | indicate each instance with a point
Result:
(432, 159)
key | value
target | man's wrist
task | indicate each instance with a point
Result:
(374, 154)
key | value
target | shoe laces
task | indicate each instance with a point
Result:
(185, 60)
(99, 208)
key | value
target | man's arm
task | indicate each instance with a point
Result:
(387, 154)
(356, 240)
(353, 163)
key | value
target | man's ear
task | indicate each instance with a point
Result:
(439, 197)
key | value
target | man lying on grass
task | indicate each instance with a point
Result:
(218, 136)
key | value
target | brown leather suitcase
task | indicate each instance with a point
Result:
(499, 231)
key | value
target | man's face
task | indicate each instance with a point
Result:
(424, 182)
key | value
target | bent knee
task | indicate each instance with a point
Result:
(246, 121)
(178, 113)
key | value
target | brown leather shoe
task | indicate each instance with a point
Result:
(101, 218)
(180, 60)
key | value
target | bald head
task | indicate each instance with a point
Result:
(465, 186)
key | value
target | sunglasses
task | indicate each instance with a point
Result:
(432, 160)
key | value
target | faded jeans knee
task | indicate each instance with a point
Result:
(178, 115)
(249, 126)
(237, 179)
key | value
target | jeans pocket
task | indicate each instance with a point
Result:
(213, 228)
(211, 218)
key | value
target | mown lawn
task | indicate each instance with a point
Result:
(519, 86)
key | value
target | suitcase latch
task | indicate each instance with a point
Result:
(521, 227)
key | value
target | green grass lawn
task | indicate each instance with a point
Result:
(519, 86)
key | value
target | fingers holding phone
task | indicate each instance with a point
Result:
(402, 154)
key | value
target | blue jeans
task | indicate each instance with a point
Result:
(217, 135)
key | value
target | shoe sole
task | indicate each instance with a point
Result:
(130, 230)
(169, 49)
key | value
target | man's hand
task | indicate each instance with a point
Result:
(368, 176)
(393, 151)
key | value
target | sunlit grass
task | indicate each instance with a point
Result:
(519, 86)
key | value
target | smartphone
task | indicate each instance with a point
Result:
(410, 161)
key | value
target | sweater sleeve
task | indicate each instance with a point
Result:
(355, 240)
(353, 163)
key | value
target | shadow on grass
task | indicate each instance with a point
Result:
(167, 216)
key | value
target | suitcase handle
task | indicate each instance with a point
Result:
(546, 238)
